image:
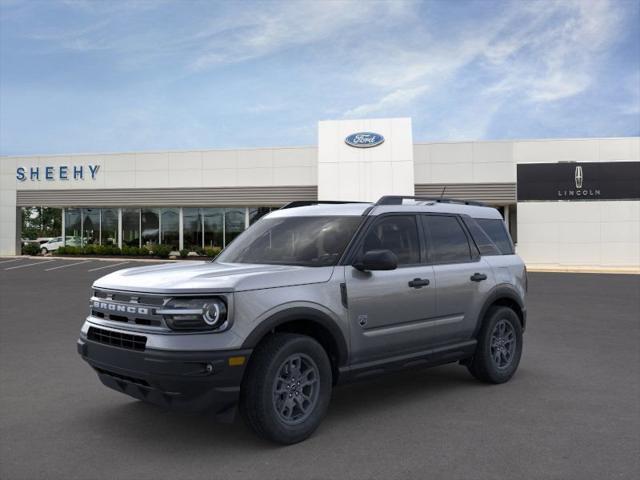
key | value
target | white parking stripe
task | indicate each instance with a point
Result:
(9, 261)
(30, 264)
(65, 266)
(106, 266)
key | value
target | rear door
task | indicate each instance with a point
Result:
(462, 277)
(390, 311)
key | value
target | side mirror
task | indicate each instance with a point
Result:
(377, 260)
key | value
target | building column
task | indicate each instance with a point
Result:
(119, 228)
(64, 226)
(180, 231)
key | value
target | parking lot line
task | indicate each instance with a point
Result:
(9, 261)
(30, 264)
(107, 266)
(65, 266)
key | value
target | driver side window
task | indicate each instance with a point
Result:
(398, 233)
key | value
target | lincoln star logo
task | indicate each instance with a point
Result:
(579, 177)
(117, 307)
(364, 139)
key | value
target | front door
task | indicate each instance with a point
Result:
(390, 311)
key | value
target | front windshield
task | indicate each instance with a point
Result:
(305, 241)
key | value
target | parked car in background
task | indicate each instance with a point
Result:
(56, 242)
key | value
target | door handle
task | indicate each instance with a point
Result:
(478, 277)
(419, 282)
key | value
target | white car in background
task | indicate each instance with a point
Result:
(56, 242)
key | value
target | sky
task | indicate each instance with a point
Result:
(83, 76)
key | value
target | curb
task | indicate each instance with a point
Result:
(596, 270)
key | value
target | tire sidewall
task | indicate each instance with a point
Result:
(496, 374)
(295, 433)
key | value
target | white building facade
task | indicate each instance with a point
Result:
(567, 202)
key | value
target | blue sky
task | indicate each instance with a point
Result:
(90, 76)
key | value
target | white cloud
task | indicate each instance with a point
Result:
(396, 99)
(538, 51)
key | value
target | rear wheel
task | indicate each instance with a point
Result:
(286, 391)
(499, 347)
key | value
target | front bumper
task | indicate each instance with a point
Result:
(192, 381)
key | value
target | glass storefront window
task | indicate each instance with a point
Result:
(234, 223)
(109, 226)
(213, 227)
(170, 227)
(255, 213)
(131, 227)
(192, 228)
(90, 226)
(72, 227)
(150, 226)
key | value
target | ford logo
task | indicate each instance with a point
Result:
(364, 139)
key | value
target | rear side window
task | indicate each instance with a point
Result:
(447, 241)
(497, 232)
(483, 242)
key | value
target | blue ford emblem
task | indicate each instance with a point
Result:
(364, 139)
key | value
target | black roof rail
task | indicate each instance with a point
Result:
(397, 200)
(306, 203)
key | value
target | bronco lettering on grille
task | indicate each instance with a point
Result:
(116, 307)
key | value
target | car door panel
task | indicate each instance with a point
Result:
(386, 315)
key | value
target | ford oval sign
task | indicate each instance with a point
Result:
(364, 139)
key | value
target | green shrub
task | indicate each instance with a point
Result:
(162, 251)
(31, 249)
(183, 253)
(212, 252)
(89, 250)
(112, 250)
(144, 251)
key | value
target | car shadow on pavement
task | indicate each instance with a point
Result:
(143, 423)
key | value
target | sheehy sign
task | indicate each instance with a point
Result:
(60, 172)
(575, 181)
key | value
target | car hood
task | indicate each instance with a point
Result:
(199, 277)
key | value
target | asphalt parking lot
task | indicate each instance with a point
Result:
(572, 411)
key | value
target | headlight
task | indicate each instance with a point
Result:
(195, 314)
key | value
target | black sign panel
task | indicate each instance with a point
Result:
(579, 181)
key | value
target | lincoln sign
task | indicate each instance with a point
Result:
(575, 181)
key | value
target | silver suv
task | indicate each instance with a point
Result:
(313, 295)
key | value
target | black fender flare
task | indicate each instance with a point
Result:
(306, 314)
(499, 292)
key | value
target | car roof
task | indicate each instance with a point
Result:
(358, 209)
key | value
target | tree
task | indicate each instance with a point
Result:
(41, 222)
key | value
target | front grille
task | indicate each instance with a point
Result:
(117, 339)
(128, 308)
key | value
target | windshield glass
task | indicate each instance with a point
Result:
(305, 241)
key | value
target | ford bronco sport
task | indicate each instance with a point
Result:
(313, 295)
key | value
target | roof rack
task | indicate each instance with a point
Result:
(397, 200)
(306, 203)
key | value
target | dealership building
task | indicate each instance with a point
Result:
(566, 202)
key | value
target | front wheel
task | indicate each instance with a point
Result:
(286, 390)
(44, 251)
(499, 347)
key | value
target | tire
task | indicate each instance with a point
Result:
(44, 251)
(496, 359)
(275, 409)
